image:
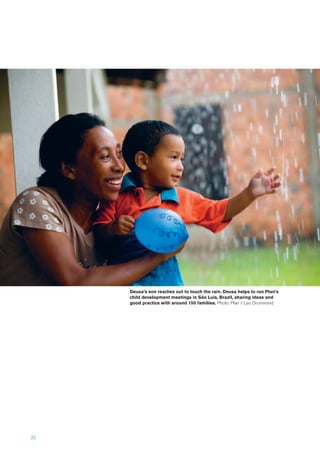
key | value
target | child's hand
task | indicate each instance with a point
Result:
(124, 224)
(263, 183)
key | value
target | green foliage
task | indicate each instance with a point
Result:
(292, 265)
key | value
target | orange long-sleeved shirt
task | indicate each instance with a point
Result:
(191, 206)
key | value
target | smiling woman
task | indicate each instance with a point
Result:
(46, 236)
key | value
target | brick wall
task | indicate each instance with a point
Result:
(264, 125)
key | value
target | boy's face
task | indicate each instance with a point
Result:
(164, 168)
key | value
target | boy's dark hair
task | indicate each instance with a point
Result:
(144, 136)
(62, 143)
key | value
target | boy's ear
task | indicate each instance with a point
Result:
(68, 170)
(141, 160)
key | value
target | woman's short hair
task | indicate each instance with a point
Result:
(62, 143)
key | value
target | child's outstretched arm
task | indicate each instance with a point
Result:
(262, 183)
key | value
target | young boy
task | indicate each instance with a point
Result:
(154, 151)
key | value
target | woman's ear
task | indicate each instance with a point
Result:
(68, 170)
(141, 160)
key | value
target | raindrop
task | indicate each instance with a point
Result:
(275, 82)
(286, 167)
(236, 242)
(301, 177)
(284, 99)
(295, 252)
(286, 254)
(197, 129)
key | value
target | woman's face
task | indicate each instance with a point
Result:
(100, 166)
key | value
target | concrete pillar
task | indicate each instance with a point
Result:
(34, 107)
(86, 92)
(78, 91)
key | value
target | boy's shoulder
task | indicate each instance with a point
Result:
(184, 191)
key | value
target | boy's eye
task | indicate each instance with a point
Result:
(177, 157)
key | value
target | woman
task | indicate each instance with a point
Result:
(46, 236)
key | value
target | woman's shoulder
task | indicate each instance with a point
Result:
(38, 207)
(37, 196)
(36, 191)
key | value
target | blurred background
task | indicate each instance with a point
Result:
(233, 122)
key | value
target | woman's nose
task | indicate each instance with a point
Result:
(118, 163)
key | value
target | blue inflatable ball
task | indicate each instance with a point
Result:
(160, 230)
